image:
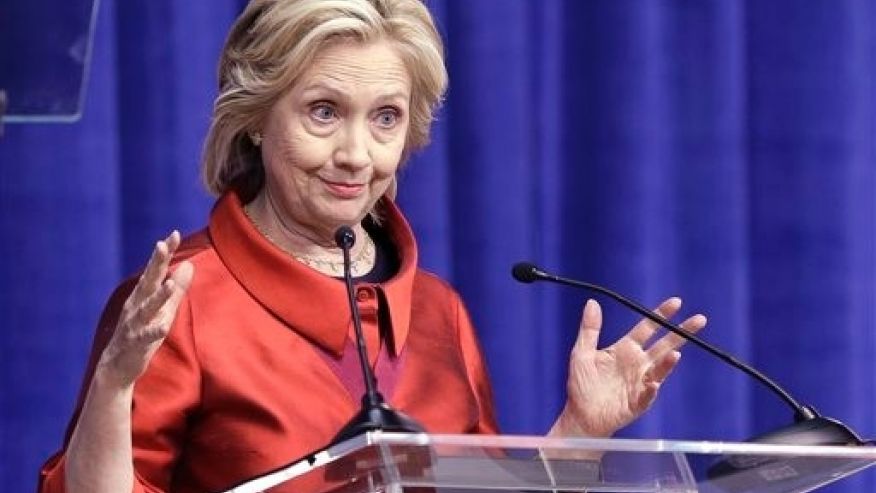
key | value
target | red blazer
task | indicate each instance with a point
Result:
(258, 369)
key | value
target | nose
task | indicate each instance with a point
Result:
(353, 149)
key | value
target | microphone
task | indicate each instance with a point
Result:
(809, 428)
(375, 413)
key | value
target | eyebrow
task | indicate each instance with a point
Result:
(324, 86)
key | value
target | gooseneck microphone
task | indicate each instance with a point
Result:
(375, 414)
(809, 428)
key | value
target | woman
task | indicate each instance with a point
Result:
(230, 355)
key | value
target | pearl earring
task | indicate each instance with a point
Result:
(256, 138)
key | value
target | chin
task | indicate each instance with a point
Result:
(349, 214)
(338, 220)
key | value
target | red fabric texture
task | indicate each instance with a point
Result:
(251, 376)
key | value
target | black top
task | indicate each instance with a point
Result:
(386, 261)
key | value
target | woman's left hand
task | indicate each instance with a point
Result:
(609, 388)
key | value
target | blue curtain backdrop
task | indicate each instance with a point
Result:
(718, 150)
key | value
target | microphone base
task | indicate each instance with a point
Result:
(746, 473)
(815, 431)
(377, 416)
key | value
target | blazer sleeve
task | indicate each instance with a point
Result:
(164, 397)
(477, 371)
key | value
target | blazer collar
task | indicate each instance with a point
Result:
(311, 303)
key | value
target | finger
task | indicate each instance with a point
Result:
(647, 396)
(159, 327)
(149, 308)
(177, 286)
(654, 378)
(159, 262)
(166, 303)
(173, 240)
(156, 268)
(183, 275)
(173, 289)
(645, 329)
(591, 324)
(672, 341)
(663, 367)
(146, 284)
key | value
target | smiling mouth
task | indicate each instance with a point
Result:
(344, 190)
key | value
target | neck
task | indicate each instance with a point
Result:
(311, 246)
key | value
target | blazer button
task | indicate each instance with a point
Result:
(363, 294)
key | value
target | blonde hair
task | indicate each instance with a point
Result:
(273, 42)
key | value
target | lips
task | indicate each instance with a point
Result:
(344, 190)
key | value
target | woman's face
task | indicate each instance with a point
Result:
(332, 144)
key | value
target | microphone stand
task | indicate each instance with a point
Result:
(809, 427)
(375, 413)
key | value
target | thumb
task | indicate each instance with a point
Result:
(183, 274)
(591, 325)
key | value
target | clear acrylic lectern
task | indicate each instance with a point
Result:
(45, 54)
(391, 462)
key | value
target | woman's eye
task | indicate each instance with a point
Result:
(387, 118)
(323, 113)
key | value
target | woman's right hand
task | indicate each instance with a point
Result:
(146, 316)
(100, 452)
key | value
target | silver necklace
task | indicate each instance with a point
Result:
(360, 264)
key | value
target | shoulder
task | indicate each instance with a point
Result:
(426, 282)
(211, 280)
(195, 248)
(431, 292)
(198, 249)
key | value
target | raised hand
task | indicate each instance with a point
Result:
(146, 315)
(609, 388)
